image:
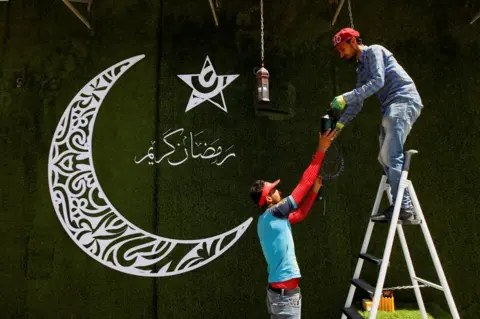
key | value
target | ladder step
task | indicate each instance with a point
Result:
(352, 313)
(371, 258)
(365, 286)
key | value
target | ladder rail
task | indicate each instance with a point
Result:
(434, 254)
(408, 259)
(388, 247)
(366, 241)
(411, 271)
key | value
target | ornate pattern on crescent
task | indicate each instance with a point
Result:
(91, 220)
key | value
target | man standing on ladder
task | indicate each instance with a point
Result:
(379, 73)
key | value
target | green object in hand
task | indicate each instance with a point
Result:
(338, 103)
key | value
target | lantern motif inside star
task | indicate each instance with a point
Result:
(263, 89)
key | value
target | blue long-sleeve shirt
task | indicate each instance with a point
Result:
(379, 73)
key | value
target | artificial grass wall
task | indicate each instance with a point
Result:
(47, 275)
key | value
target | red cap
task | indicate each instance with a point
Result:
(343, 35)
(267, 187)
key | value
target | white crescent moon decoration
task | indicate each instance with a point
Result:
(87, 215)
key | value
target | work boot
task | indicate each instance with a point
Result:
(405, 214)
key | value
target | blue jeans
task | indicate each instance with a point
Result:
(397, 122)
(284, 306)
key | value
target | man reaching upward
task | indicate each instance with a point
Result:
(275, 232)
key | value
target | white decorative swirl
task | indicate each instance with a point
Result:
(87, 215)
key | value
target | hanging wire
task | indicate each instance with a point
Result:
(350, 14)
(261, 33)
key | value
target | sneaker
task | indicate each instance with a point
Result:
(405, 214)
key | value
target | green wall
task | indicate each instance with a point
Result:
(45, 275)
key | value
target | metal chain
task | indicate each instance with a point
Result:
(350, 14)
(261, 22)
(403, 287)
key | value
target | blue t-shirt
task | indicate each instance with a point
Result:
(275, 234)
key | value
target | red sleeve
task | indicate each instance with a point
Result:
(308, 178)
(303, 210)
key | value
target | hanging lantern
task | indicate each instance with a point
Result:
(262, 75)
(263, 95)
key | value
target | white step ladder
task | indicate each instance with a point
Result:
(396, 226)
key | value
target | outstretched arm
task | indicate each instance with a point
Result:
(349, 114)
(290, 203)
(308, 177)
(303, 210)
(376, 67)
(354, 99)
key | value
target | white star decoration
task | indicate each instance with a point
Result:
(208, 79)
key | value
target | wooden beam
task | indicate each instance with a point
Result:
(213, 12)
(338, 12)
(77, 13)
(475, 18)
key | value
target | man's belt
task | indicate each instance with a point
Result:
(287, 292)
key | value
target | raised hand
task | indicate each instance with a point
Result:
(326, 140)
